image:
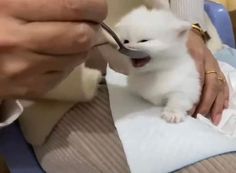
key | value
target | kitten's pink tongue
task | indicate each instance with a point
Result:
(140, 62)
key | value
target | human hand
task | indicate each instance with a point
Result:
(215, 92)
(42, 41)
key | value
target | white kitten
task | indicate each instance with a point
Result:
(169, 77)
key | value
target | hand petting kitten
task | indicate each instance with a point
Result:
(215, 93)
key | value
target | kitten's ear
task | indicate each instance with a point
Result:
(182, 28)
(157, 4)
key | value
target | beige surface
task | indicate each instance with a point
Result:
(118, 8)
(230, 4)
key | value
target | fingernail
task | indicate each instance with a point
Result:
(216, 119)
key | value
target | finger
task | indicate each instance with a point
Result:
(42, 84)
(61, 10)
(225, 86)
(16, 66)
(209, 94)
(58, 37)
(217, 108)
(34, 81)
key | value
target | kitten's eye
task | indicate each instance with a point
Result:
(143, 41)
(126, 41)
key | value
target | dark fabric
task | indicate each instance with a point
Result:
(16, 152)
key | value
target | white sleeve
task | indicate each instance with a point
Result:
(190, 10)
(10, 110)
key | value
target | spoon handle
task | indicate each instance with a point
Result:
(112, 33)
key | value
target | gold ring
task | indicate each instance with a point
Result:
(211, 72)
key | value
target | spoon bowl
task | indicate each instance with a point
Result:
(134, 54)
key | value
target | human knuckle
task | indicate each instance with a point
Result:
(84, 36)
(12, 69)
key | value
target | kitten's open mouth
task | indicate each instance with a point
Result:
(138, 63)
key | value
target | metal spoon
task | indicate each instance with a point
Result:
(134, 54)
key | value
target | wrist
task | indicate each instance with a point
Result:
(197, 34)
(196, 28)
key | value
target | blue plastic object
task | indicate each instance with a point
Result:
(221, 20)
(18, 154)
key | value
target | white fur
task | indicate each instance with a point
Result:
(170, 78)
(214, 44)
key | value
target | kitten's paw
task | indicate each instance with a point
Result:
(173, 116)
